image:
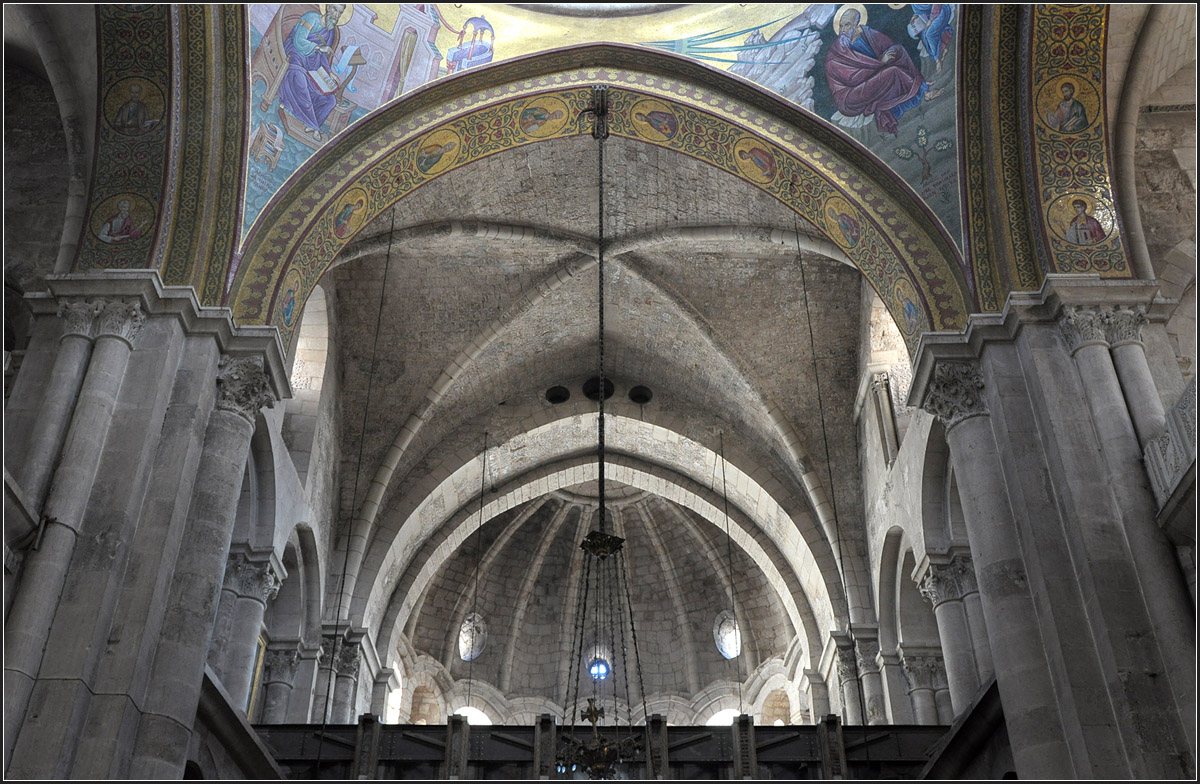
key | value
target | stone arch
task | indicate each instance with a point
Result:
(807, 551)
(783, 435)
(908, 260)
(308, 377)
(76, 109)
(807, 604)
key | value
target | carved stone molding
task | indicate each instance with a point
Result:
(868, 654)
(1082, 326)
(243, 387)
(955, 392)
(119, 319)
(79, 317)
(1123, 324)
(279, 666)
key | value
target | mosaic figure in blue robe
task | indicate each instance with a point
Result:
(930, 25)
(308, 48)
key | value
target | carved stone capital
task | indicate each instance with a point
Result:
(923, 671)
(847, 671)
(279, 666)
(867, 652)
(939, 585)
(1123, 324)
(233, 573)
(243, 387)
(119, 319)
(259, 581)
(947, 582)
(79, 317)
(955, 392)
(346, 660)
(963, 570)
(1082, 326)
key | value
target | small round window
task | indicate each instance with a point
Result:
(727, 635)
(472, 637)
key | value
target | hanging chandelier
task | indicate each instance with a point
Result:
(599, 640)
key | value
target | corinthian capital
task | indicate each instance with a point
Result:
(940, 584)
(867, 652)
(845, 665)
(346, 658)
(955, 392)
(257, 579)
(79, 317)
(243, 387)
(922, 671)
(279, 666)
(1123, 324)
(119, 319)
(1082, 327)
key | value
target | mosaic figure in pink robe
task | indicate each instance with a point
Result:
(868, 74)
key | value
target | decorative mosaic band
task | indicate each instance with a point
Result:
(923, 289)
(1070, 141)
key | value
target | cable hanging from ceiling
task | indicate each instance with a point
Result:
(341, 591)
(812, 350)
(606, 605)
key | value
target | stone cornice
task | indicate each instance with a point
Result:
(1024, 307)
(146, 288)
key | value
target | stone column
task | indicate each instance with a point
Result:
(54, 413)
(28, 624)
(257, 584)
(848, 678)
(942, 588)
(963, 570)
(385, 682)
(813, 684)
(279, 675)
(164, 733)
(867, 653)
(895, 688)
(920, 670)
(1039, 744)
(1124, 333)
(223, 627)
(1167, 605)
(322, 702)
(346, 663)
(300, 706)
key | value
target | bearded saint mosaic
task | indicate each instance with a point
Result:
(876, 72)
